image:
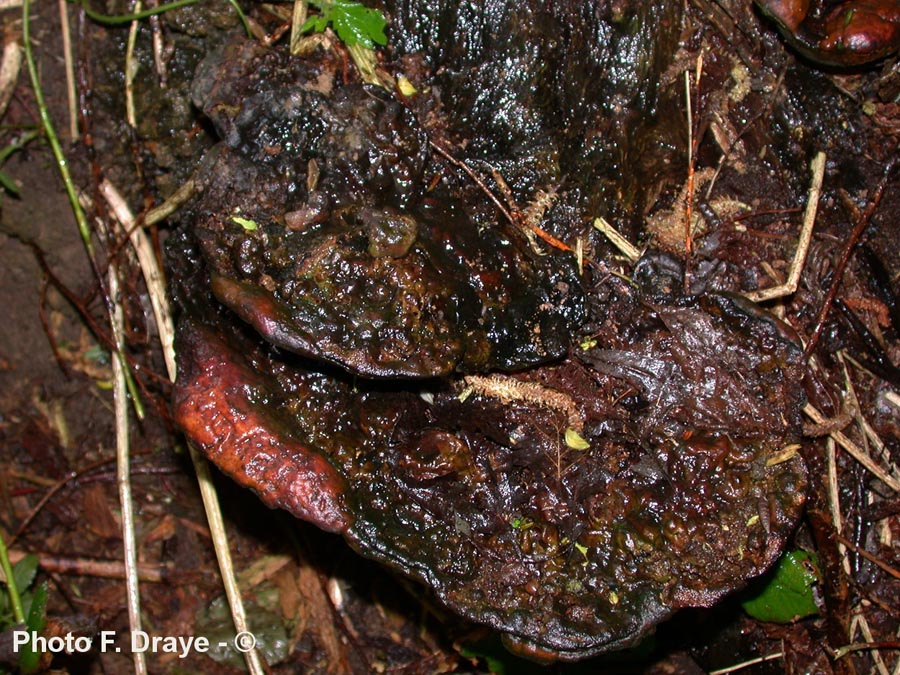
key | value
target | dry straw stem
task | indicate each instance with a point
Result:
(10, 65)
(297, 20)
(834, 504)
(70, 69)
(616, 239)
(746, 664)
(131, 68)
(809, 219)
(860, 623)
(871, 437)
(123, 474)
(855, 451)
(153, 278)
(91, 567)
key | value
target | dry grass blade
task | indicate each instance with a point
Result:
(855, 451)
(153, 277)
(746, 664)
(297, 21)
(629, 250)
(123, 475)
(70, 69)
(834, 503)
(860, 623)
(131, 68)
(806, 230)
(10, 66)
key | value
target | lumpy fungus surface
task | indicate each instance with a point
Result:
(365, 341)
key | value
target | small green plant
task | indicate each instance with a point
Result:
(6, 181)
(786, 593)
(22, 606)
(353, 23)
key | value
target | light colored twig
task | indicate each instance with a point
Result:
(91, 567)
(201, 466)
(131, 67)
(153, 276)
(855, 451)
(297, 20)
(172, 204)
(834, 502)
(70, 69)
(747, 664)
(861, 623)
(10, 66)
(806, 231)
(123, 473)
(159, 47)
(627, 249)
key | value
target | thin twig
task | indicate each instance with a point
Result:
(70, 69)
(806, 230)
(123, 476)
(151, 270)
(693, 143)
(855, 451)
(60, 484)
(159, 47)
(298, 18)
(863, 624)
(10, 66)
(861, 224)
(875, 560)
(834, 503)
(201, 466)
(863, 646)
(629, 250)
(91, 567)
(747, 664)
(475, 177)
(172, 204)
(509, 215)
(131, 67)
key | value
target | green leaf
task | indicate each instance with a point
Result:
(353, 23)
(24, 571)
(8, 184)
(786, 593)
(246, 223)
(29, 660)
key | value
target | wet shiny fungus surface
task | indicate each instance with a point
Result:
(566, 456)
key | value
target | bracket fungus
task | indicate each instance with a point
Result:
(566, 457)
